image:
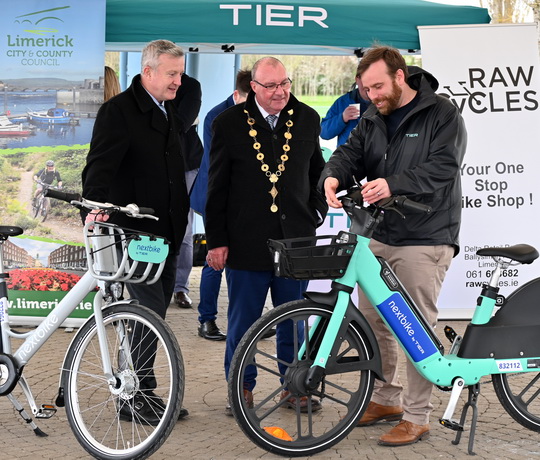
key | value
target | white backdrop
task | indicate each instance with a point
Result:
(491, 72)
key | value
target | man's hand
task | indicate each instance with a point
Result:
(96, 215)
(330, 186)
(217, 257)
(352, 112)
(375, 190)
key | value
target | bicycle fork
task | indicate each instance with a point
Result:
(316, 372)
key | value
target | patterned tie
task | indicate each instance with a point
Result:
(163, 109)
(271, 119)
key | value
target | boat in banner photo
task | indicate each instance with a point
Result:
(54, 116)
(9, 129)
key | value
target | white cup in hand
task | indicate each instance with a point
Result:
(357, 107)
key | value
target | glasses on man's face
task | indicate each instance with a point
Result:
(272, 87)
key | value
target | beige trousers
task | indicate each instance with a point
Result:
(421, 269)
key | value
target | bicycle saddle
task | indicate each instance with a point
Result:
(522, 253)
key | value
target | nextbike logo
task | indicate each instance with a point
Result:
(276, 15)
(44, 23)
(401, 318)
(498, 89)
(406, 327)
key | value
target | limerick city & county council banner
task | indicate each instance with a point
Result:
(51, 86)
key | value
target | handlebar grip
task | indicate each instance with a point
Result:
(146, 211)
(64, 196)
(405, 203)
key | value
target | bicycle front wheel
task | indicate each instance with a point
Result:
(45, 208)
(300, 422)
(519, 394)
(36, 207)
(131, 414)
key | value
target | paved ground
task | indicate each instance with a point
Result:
(209, 434)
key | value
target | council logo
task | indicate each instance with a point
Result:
(41, 22)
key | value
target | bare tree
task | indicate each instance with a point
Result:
(316, 75)
(513, 11)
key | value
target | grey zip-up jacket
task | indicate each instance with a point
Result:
(422, 160)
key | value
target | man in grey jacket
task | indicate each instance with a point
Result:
(409, 142)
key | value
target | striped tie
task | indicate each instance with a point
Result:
(163, 109)
(271, 119)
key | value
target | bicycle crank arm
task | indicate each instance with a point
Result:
(446, 419)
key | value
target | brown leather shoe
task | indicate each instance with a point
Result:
(292, 401)
(248, 396)
(404, 433)
(379, 413)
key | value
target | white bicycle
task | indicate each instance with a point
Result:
(124, 356)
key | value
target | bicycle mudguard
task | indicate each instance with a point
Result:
(512, 332)
(356, 317)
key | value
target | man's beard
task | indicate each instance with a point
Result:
(392, 101)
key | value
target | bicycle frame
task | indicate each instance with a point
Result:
(36, 338)
(405, 321)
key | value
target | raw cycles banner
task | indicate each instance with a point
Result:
(51, 86)
(492, 74)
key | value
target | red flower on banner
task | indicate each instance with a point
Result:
(41, 279)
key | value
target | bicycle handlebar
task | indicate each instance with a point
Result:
(75, 199)
(402, 202)
(393, 203)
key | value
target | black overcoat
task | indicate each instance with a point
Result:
(135, 157)
(238, 204)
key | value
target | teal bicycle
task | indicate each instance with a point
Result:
(336, 358)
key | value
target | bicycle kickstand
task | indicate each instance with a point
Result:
(22, 412)
(474, 392)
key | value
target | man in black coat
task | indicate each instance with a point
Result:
(410, 142)
(262, 184)
(135, 157)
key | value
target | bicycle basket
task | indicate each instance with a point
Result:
(313, 258)
(122, 254)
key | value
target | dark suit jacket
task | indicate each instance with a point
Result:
(135, 157)
(238, 207)
(200, 187)
(188, 102)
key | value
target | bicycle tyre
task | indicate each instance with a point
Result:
(519, 394)
(37, 207)
(93, 407)
(344, 393)
(45, 208)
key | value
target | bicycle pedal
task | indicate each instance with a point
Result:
(450, 333)
(451, 424)
(46, 411)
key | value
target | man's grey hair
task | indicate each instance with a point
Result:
(153, 50)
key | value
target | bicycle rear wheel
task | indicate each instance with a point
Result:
(344, 392)
(519, 394)
(104, 416)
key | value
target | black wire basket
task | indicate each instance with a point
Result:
(313, 258)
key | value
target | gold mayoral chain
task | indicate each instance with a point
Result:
(272, 177)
